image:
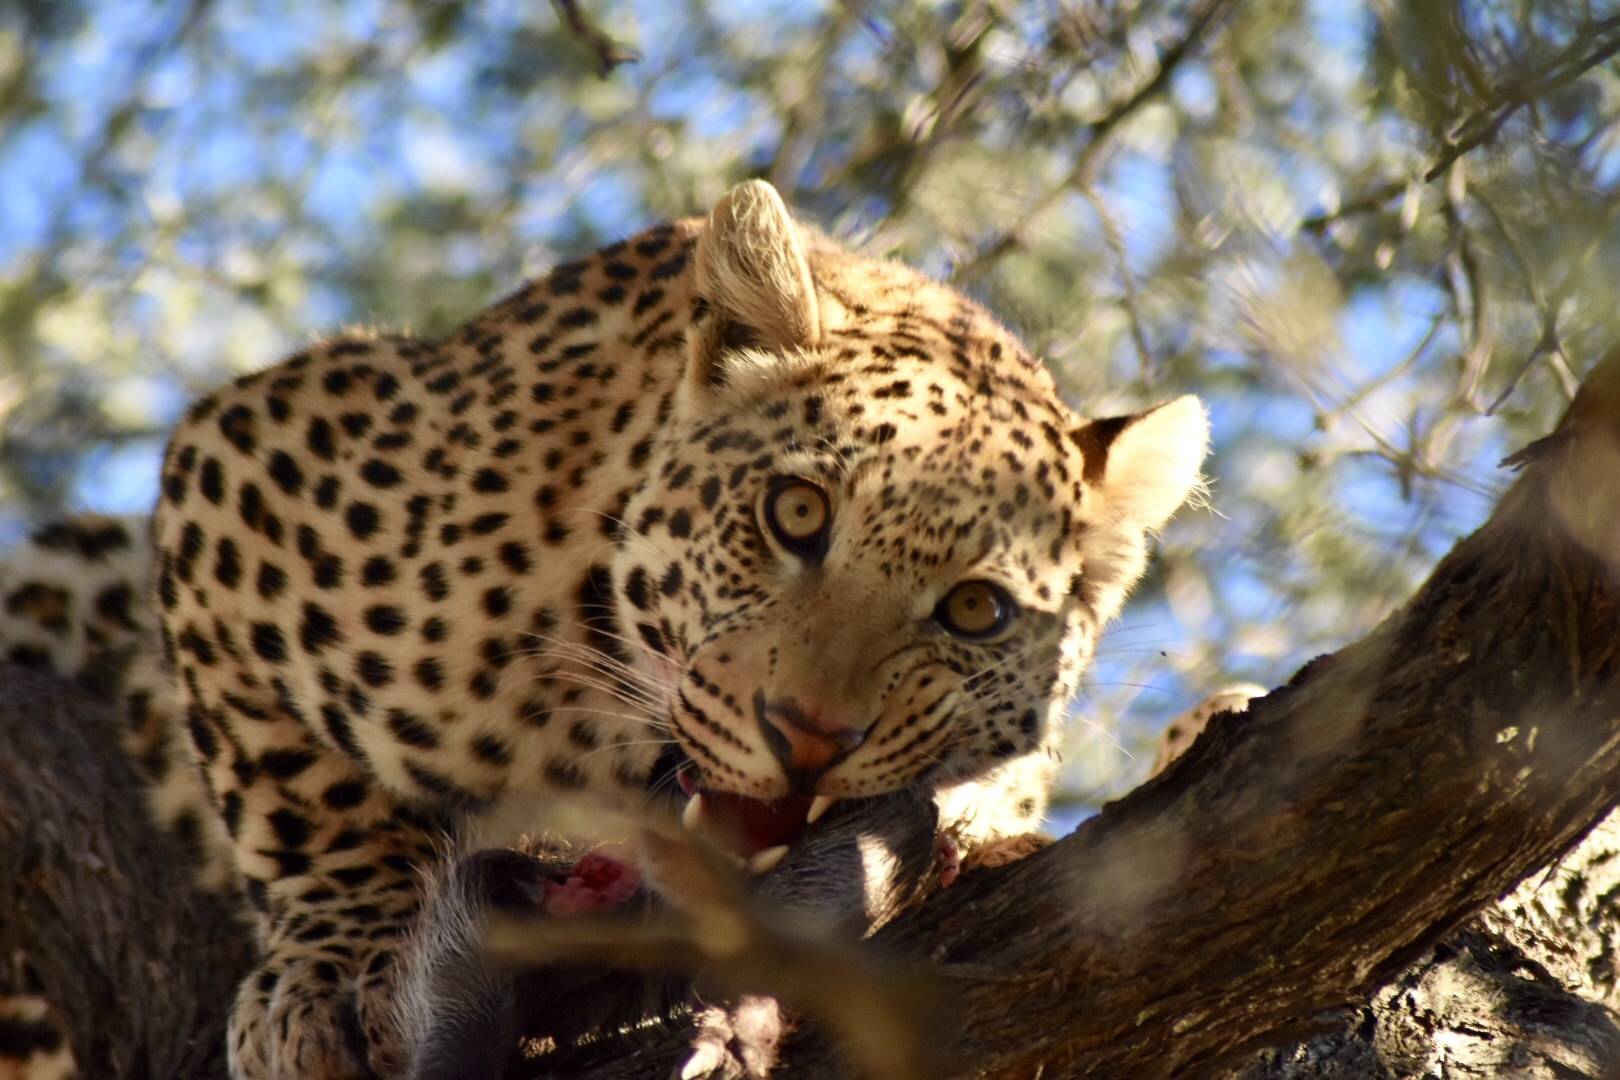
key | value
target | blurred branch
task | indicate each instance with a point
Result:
(857, 8)
(924, 126)
(1548, 343)
(92, 159)
(1408, 462)
(609, 53)
(806, 114)
(785, 936)
(1482, 125)
(1349, 405)
(878, 1011)
(1100, 135)
(1127, 281)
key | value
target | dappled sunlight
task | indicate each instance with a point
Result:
(1130, 873)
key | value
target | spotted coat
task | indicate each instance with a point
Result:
(487, 584)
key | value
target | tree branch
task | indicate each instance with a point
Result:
(140, 965)
(1296, 861)
(1482, 125)
(1292, 863)
(1099, 137)
(609, 53)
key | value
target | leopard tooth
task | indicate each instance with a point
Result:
(765, 861)
(692, 815)
(818, 806)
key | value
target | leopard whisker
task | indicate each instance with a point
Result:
(635, 643)
(628, 530)
(593, 657)
(596, 655)
(650, 706)
(646, 697)
(623, 744)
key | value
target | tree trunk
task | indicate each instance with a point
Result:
(140, 965)
(1524, 989)
(1290, 877)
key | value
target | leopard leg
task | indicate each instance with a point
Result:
(1180, 733)
(329, 861)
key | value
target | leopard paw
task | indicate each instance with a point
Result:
(301, 1018)
(1008, 849)
(739, 1042)
(377, 1016)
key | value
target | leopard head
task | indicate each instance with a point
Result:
(875, 547)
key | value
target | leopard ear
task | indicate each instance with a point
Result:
(1142, 467)
(754, 288)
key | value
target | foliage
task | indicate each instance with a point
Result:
(1376, 238)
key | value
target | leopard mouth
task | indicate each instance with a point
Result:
(759, 832)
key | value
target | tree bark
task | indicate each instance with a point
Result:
(1524, 989)
(139, 964)
(1260, 891)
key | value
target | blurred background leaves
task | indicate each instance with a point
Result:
(1378, 238)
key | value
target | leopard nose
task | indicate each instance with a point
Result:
(805, 743)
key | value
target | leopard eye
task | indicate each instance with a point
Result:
(975, 610)
(797, 513)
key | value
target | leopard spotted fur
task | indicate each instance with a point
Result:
(493, 583)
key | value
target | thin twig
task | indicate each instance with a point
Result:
(1545, 344)
(1133, 311)
(1463, 269)
(609, 53)
(1549, 344)
(1482, 125)
(1395, 373)
(1408, 463)
(1100, 135)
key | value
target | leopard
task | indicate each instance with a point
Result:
(1178, 736)
(725, 519)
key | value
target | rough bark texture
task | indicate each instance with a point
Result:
(141, 965)
(1524, 989)
(1287, 866)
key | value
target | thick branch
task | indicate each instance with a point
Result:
(1292, 863)
(1524, 989)
(140, 965)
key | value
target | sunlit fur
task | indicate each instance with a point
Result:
(946, 457)
(479, 584)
